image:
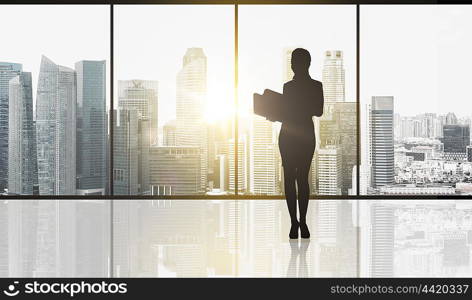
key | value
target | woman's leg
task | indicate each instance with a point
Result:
(290, 192)
(303, 192)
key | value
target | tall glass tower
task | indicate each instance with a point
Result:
(125, 152)
(7, 72)
(56, 128)
(142, 96)
(91, 129)
(263, 158)
(191, 95)
(382, 220)
(333, 76)
(22, 164)
(381, 134)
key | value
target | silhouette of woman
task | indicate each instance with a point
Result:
(297, 137)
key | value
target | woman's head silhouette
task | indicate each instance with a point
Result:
(301, 60)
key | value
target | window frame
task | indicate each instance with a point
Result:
(236, 197)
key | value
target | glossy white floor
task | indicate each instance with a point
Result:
(229, 238)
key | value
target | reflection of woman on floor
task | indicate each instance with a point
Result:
(299, 252)
(297, 138)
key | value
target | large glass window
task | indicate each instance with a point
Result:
(202, 172)
(414, 91)
(267, 36)
(174, 70)
(53, 99)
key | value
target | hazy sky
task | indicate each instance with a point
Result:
(266, 30)
(64, 33)
(419, 54)
(151, 40)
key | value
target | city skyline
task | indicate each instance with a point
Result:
(415, 132)
(194, 139)
(259, 161)
(425, 154)
(87, 73)
(173, 135)
(421, 150)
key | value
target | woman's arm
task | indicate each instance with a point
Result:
(319, 100)
(287, 109)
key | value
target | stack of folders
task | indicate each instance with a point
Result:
(269, 105)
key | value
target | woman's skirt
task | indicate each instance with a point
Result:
(297, 147)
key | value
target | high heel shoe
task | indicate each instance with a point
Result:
(294, 231)
(305, 233)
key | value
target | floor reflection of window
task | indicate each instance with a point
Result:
(424, 238)
(55, 238)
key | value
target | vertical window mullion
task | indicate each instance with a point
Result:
(110, 146)
(358, 238)
(236, 139)
(236, 129)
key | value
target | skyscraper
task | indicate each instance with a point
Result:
(56, 128)
(169, 133)
(428, 124)
(381, 141)
(333, 76)
(469, 153)
(22, 166)
(382, 239)
(4, 264)
(56, 238)
(451, 119)
(338, 127)
(7, 72)
(130, 153)
(263, 159)
(92, 253)
(456, 138)
(335, 231)
(242, 165)
(125, 152)
(221, 176)
(329, 170)
(174, 170)
(288, 72)
(91, 129)
(142, 96)
(143, 156)
(191, 97)
(346, 117)
(262, 235)
(126, 223)
(22, 237)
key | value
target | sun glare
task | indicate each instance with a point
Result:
(219, 106)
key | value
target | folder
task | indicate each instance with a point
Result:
(269, 105)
